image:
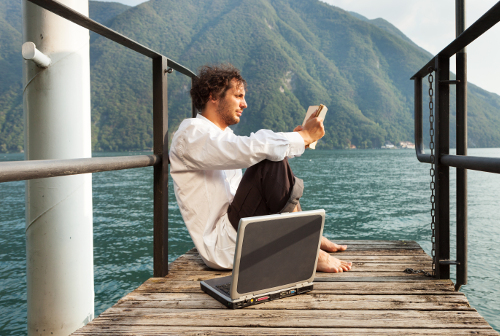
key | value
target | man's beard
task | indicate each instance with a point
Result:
(227, 116)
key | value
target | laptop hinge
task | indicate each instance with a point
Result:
(246, 297)
(303, 284)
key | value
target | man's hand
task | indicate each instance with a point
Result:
(312, 131)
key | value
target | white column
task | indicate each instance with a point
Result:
(59, 242)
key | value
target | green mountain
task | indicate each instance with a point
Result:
(11, 108)
(293, 53)
(387, 26)
(104, 12)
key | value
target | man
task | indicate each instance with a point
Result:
(206, 159)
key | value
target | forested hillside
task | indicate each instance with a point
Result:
(293, 53)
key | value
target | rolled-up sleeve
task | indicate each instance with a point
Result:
(297, 145)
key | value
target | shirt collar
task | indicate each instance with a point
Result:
(199, 116)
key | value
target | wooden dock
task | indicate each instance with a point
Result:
(375, 298)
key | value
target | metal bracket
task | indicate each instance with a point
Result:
(30, 52)
(449, 262)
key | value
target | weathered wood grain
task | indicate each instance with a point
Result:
(200, 276)
(292, 318)
(161, 285)
(351, 256)
(311, 301)
(375, 298)
(125, 330)
(197, 265)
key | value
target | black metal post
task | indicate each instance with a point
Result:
(418, 115)
(461, 127)
(193, 109)
(442, 171)
(419, 140)
(160, 132)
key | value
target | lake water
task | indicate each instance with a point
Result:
(367, 194)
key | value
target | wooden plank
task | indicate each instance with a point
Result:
(385, 259)
(292, 318)
(310, 301)
(358, 242)
(376, 242)
(356, 251)
(162, 285)
(382, 252)
(365, 258)
(195, 261)
(370, 279)
(201, 276)
(356, 267)
(107, 330)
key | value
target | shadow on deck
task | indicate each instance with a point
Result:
(375, 298)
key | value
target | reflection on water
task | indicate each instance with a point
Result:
(367, 194)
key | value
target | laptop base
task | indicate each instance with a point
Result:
(241, 303)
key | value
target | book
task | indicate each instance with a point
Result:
(318, 112)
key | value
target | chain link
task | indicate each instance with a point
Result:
(412, 271)
(432, 172)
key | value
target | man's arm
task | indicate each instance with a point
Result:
(212, 149)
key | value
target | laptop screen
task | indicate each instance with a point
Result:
(278, 252)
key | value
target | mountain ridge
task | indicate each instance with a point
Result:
(292, 53)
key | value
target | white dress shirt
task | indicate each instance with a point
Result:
(205, 164)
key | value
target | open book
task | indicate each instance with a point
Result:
(318, 112)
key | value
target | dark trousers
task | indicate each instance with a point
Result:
(268, 187)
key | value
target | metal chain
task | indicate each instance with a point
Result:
(432, 185)
(412, 271)
(432, 171)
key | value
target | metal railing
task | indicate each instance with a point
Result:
(34, 169)
(440, 66)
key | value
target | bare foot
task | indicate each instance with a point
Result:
(330, 264)
(329, 246)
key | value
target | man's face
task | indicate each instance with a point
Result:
(231, 106)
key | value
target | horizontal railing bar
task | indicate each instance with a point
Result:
(33, 169)
(485, 22)
(426, 158)
(179, 68)
(82, 20)
(486, 164)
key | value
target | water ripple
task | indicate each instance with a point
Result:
(369, 194)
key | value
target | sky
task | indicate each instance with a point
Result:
(431, 25)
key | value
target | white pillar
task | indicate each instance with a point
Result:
(59, 242)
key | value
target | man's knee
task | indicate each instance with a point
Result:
(269, 168)
(279, 187)
(268, 187)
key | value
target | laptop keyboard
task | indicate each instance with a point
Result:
(224, 288)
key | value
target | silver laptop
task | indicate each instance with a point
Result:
(275, 257)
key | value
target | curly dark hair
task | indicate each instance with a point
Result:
(213, 80)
